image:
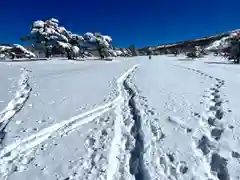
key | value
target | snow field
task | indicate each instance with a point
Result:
(126, 119)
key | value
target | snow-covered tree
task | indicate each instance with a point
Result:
(233, 52)
(48, 34)
(133, 50)
(194, 52)
(99, 42)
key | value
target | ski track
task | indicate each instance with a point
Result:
(21, 147)
(115, 165)
(212, 129)
(121, 146)
(16, 104)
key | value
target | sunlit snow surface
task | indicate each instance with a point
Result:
(135, 118)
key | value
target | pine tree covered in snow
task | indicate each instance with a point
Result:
(48, 34)
(233, 52)
(99, 42)
(196, 52)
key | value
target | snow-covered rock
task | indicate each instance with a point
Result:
(16, 50)
(24, 50)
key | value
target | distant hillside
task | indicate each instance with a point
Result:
(182, 46)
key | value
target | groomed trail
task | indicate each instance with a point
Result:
(126, 119)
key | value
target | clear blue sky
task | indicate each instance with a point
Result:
(139, 22)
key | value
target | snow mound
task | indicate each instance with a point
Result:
(16, 50)
(24, 50)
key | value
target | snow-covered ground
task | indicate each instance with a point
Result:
(164, 118)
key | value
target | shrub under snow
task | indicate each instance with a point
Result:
(16, 50)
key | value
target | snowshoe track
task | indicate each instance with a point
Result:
(136, 161)
(147, 159)
(94, 164)
(213, 127)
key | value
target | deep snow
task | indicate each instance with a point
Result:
(164, 118)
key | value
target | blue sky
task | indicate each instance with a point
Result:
(143, 23)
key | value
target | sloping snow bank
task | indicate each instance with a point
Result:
(219, 44)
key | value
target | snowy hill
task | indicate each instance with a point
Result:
(127, 119)
(215, 41)
(224, 42)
